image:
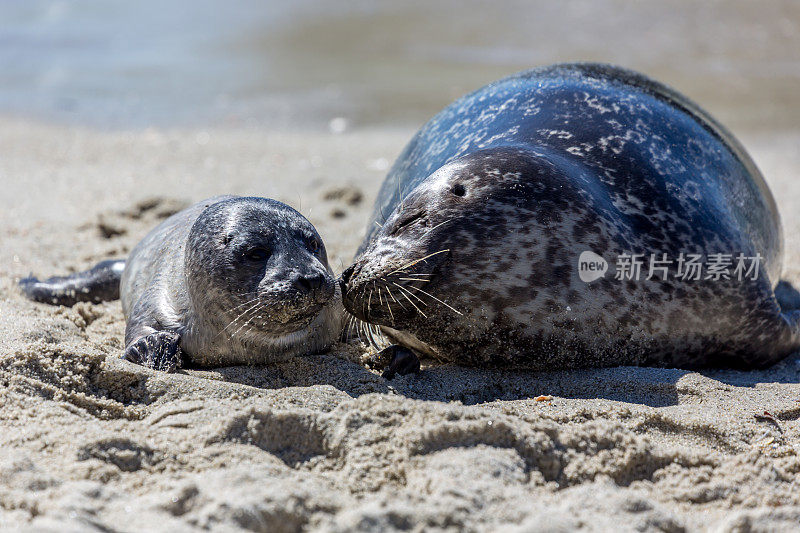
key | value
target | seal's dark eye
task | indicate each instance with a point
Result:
(313, 245)
(459, 190)
(257, 254)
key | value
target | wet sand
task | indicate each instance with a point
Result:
(94, 443)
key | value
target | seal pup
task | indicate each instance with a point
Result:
(474, 249)
(228, 281)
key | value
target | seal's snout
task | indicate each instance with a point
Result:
(313, 285)
(346, 276)
(351, 278)
(310, 283)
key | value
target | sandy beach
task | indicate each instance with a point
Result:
(90, 442)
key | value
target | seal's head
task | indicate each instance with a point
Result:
(433, 266)
(257, 265)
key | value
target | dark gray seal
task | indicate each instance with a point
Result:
(485, 221)
(228, 281)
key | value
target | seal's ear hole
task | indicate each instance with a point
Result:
(313, 244)
(459, 189)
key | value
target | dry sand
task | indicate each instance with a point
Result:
(90, 442)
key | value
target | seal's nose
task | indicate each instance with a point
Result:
(347, 274)
(309, 283)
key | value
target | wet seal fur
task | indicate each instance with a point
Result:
(228, 281)
(472, 252)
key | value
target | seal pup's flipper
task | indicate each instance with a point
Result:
(160, 350)
(149, 341)
(99, 284)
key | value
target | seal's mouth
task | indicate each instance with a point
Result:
(294, 311)
(305, 314)
(274, 315)
(283, 321)
(400, 291)
(293, 300)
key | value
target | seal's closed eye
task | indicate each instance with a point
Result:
(257, 254)
(407, 221)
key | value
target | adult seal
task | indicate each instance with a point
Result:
(510, 228)
(228, 281)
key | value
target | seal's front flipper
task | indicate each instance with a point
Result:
(400, 360)
(160, 351)
(99, 284)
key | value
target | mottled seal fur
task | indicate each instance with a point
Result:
(472, 252)
(231, 280)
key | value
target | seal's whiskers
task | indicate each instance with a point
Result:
(240, 315)
(393, 298)
(412, 263)
(437, 299)
(255, 315)
(372, 330)
(367, 333)
(417, 298)
(439, 224)
(405, 293)
(389, 307)
(251, 300)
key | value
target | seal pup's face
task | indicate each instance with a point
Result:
(257, 265)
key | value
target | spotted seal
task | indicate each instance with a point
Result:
(228, 281)
(475, 248)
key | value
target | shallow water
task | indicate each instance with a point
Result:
(303, 63)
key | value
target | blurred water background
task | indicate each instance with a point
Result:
(315, 64)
